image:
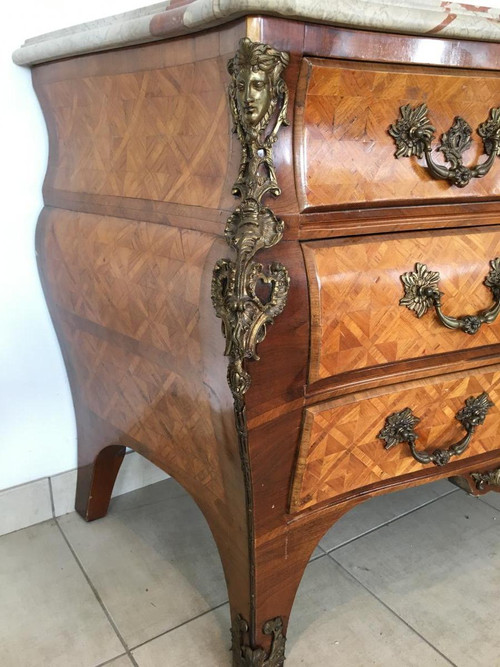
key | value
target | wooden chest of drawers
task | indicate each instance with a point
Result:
(358, 305)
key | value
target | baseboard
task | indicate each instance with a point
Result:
(42, 499)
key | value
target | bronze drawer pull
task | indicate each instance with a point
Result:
(413, 135)
(399, 427)
(422, 292)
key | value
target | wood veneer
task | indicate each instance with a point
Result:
(133, 322)
(355, 289)
(344, 155)
(340, 450)
(151, 127)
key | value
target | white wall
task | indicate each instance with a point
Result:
(37, 430)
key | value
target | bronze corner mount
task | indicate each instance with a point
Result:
(258, 99)
(413, 135)
(484, 480)
(245, 656)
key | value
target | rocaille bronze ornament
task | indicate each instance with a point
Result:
(258, 99)
(421, 292)
(413, 135)
(484, 480)
(257, 657)
(400, 427)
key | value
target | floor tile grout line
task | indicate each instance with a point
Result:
(51, 494)
(392, 611)
(108, 662)
(30, 525)
(485, 502)
(323, 553)
(133, 508)
(176, 627)
(97, 596)
(387, 523)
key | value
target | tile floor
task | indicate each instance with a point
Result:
(411, 578)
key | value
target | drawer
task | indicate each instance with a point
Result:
(344, 153)
(355, 288)
(340, 450)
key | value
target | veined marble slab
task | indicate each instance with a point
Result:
(162, 20)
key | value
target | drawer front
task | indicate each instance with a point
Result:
(355, 287)
(345, 156)
(340, 450)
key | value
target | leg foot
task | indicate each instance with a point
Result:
(95, 483)
(245, 656)
(259, 630)
(478, 483)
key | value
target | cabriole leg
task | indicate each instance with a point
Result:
(259, 639)
(95, 483)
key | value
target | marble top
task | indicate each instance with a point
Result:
(163, 20)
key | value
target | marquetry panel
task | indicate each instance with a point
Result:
(159, 134)
(355, 288)
(346, 156)
(340, 450)
(126, 300)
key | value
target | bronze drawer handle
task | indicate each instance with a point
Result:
(422, 292)
(399, 427)
(413, 135)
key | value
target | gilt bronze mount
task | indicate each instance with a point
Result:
(400, 427)
(258, 99)
(421, 292)
(485, 479)
(413, 135)
(478, 483)
(245, 656)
